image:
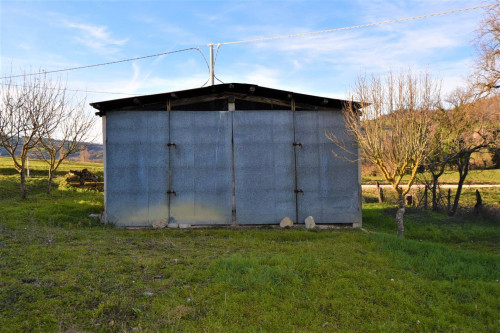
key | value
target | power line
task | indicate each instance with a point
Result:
(102, 64)
(103, 92)
(249, 41)
(358, 26)
(85, 91)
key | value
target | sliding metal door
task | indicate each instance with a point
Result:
(330, 183)
(136, 167)
(201, 185)
(263, 166)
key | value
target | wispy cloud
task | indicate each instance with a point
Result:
(140, 82)
(96, 37)
(252, 73)
(169, 31)
(428, 46)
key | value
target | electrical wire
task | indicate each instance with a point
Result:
(216, 53)
(215, 61)
(358, 26)
(251, 41)
(204, 84)
(85, 91)
(206, 62)
(102, 64)
(208, 66)
(218, 79)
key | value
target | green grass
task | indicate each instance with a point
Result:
(462, 232)
(61, 271)
(490, 197)
(38, 168)
(491, 176)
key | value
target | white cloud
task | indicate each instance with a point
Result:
(252, 73)
(265, 76)
(139, 82)
(170, 32)
(96, 37)
(432, 44)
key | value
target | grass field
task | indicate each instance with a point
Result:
(63, 272)
(491, 176)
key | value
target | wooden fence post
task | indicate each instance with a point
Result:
(479, 203)
(449, 201)
(380, 193)
(425, 197)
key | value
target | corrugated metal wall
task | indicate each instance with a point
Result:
(330, 185)
(178, 166)
(263, 166)
(201, 167)
(136, 167)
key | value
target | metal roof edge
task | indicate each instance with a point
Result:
(222, 89)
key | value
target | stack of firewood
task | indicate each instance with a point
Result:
(78, 178)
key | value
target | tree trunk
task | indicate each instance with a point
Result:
(49, 185)
(399, 216)
(435, 183)
(463, 169)
(23, 184)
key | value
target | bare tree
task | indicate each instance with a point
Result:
(438, 157)
(394, 131)
(472, 128)
(27, 109)
(71, 135)
(487, 75)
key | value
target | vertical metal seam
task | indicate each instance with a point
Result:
(295, 163)
(360, 191)
(169, 187)
(148, 120)
(233, 177)
(105, 166)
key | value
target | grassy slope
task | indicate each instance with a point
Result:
(59, 271)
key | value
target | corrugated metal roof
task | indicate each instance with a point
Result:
(216, 98)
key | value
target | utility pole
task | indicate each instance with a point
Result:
(211, 63)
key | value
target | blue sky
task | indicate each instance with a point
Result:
(53, 35)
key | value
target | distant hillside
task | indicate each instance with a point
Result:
(94, 153)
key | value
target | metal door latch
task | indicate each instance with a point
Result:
(297, 144)
(172, 192)
(299, 191)
(170, 144)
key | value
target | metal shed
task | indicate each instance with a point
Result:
(227, 154)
